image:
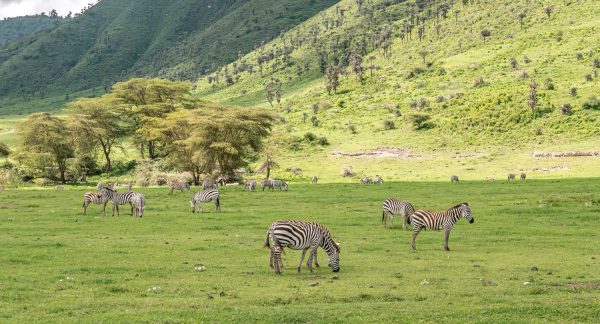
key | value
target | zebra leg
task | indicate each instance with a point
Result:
(85, 206)
(416, 231)
(313, 251)
(271, 256)
(316, 263)
(404, 221)
(446, 237)
(277, 259)
(384, 219)
(392, 220)
(104, 208)
(302, 259)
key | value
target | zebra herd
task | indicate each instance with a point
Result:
(136, 200)
(511, 176)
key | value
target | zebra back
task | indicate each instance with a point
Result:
(441, 219)
(206, 196)
(138, 202)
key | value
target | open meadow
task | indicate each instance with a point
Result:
(531, 255)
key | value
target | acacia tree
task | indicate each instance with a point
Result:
(267, 166)
(332, 75)
(485, 34)
(96, 123)
(356, 65)
(273, 91)
(44, 145)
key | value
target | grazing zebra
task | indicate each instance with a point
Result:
(101, 197)
(314, 180)
(206, 196)
(439, 220)
(222, 180)
(366, 180)
(208, 184)
(176, 185)
(377, 180)
(123, 198)
(454, 179)
(279, 184)
(138, 203)
(393, 206)
(511, 176)
(267, 183)
(523, 176)
(298, 235)
(60, 188)
(250, 184)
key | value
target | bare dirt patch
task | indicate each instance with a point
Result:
(544, 169)
(565, 154)
(381, 152)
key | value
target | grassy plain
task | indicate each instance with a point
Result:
(531, 255)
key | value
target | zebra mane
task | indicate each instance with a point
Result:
(458, 206)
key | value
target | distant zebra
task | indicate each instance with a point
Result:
(123, 198)
(138, 203)
(314, 180)
(377, 180)
(454, 178)
(443, 220)
(523, 176)
(206, 196)
(393, 206)
(60, 188)
(208, 184)
(179, 185)
(267, 183)
(101, 197)
(100, 186)
(249, 184)
(511, 176)
(298, 235)
(222, 180)
(279, 184)
(366, 180)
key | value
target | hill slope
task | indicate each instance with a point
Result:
(115, 40)
(475, 90)
(13, 28)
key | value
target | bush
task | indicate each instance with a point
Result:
(388, 124)
(352, 128)
(420, 120)
(310, 137)
(592, 103)
(479, 82)
(573, 91)
(565, 109)
(526, 59)
(347, 172)
(549, 84)
(588, 77)
(323, 141)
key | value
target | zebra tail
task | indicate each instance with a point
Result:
(267, 243)
(383, 216)
(409, 218)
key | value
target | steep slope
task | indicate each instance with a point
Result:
(13, 28)
(429, 58)
(118, 39)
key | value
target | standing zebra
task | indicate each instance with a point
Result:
(314, 180)
(206, 196)
(223, 180)
(60, 188)
(250, 184)
(101, 197)
(119, 198)
(454, 178)
(377, 180)
(393, 206)
(100, 185)
(138, 203)
(366, 180)
(298, 235)
(523, 176)
(208, 184)
(267, 183)
(511, 176)
(439, 220)
(279, 184)
(177, 185)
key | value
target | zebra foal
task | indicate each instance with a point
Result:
(206, 196)
(393, 206)
(298, 235)
(443, 220)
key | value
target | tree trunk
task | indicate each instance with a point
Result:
(142, 149)
(62, 176)
(268, 170)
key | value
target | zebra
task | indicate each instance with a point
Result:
(511, 176)
(366, 180)
(119, 198)
(250, 184)
(206, 196)
(377, 180)
(439, 220)
(138, 203)
(176, 185)
(100, 185)
(208, 184)
(523, 176)
(101, 197)
(267, 183)
(279, 184)
(299, 235)
(454, 179)
(59, 187)
(222, 180)
(314, 180)
(393, 206)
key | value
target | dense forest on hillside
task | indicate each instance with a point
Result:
(13, 28)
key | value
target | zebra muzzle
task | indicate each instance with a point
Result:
(472, 220)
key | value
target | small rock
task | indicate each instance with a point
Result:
(313, 284)
(549, 273)
(534, 268)
(424, 282)
(199, 267)
(166, 242)
(335, 277)
(222, 294)
(526, 283)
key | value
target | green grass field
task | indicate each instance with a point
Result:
(58, 265)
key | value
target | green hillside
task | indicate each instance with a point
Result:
(13, 28)
(475, 91)
(115, 40)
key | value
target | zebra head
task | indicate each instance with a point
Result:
(465, 211)
(333, 255)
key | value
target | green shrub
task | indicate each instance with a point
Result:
(323, 141)
(310, 137)
(388, 124)
(420, 120)
(592, 103)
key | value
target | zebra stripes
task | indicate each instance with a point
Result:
(279, 184)
(454, 178)
(177, 185)
(249, 184)
(299, 235)
(208, 184)
(96, 198)
(377, 180)
(366, 180)
(206, 196)
(439, 220)
(523, 176)
(119, 198)
(138, 204)
(393, 206)
(314, 180)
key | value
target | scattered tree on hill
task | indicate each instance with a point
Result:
(423, 53)
(485, 34)
(356, 65)
(521, 17)
(533, 86)
(548, 10)
(273, 91)
(267, 166)
(419, 120)
(371, 66)
(332, 76)
(44, 145)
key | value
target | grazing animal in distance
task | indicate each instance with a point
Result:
(208, 184)
(299, 235)
(179, 185)
(314, 180)
(250, 184)
(138, 202)
(366, 180)
(267, 183)
(443, 220)
(279, 184)
(511, 176)
(393, 206)
(454, 178)
(523, 176)
(205, 196)
(60, 188)
(377, 179)
(222, 180)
